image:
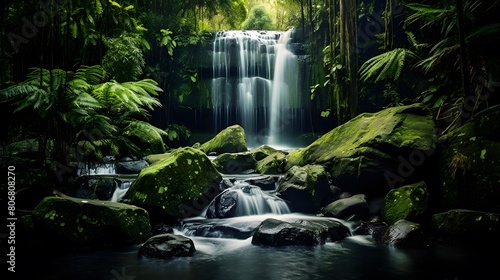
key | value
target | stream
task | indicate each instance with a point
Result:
(223, 255)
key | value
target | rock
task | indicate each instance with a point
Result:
(161, 228)
(181, 184)
(469, 158)
(272, 232)
(263, 151)
(234, 163)
(370, 153)
(407, 202)
(345, 207)
(152, 143)
(152, 159)
(272, 164)
(467, 225)
(403, 234)
(224, 205)
(90, 224)
(306, 188)
(230, 140)
(166, 246)
(266, 183)
(131, 167)
(221, 230)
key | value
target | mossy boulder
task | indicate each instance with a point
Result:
(230, 140)
(408, 202)
(469, 161)
(166, 246)
(90, 224)
(263, 151)
(175, 185)
(467, 225)
(374, 151)
(306, 188)
(234, 163)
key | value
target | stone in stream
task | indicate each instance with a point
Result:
(407, 202)
(402, 234)
(230, 140)
(345, 207)
(166, 246)
(273, 232)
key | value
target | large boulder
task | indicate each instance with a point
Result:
(345, 207)
(272, 232)
(374, 151)
(272, 164)
(306, 188)
(469, 161)
(90, 224)
(181, 184)
(407, 202)
(166, 246)
(230, 140)
(467, 225)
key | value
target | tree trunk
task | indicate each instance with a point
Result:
(463, 50)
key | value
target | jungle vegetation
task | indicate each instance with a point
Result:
(101, 65)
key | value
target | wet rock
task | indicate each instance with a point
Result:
(272, 232)
(263, 151)
(131, 167)
(407, 202)
(166, 246)
(161, 228)
(264, 182)
(90, 224)
(224, 205)
(402, 234)
(345, 207)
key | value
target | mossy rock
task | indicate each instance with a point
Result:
(408, 202)
(468, 164)
(272, 164)
(467, 225)
(361, 153)
(345, 207)
(306, 188)
(90, 224)
(154, 158)
(179, 179)
(264, 151)
(230, 140)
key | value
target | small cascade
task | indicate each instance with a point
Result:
(251, 200)
(121, 188)
(244, 200)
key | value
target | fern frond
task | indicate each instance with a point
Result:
(388, 65)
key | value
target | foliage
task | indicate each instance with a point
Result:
(177, 133)
(124, 60)
(258, 19)
(62, 102)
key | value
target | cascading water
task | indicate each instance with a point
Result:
(255, 83)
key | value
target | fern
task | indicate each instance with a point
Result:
(388, 65)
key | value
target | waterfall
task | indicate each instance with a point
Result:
(285, 91)
(255, 82)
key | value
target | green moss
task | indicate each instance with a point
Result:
(407, 202)
(230, 140)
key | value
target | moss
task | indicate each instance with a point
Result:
(467, 224)
(272, 164)
(179, 177)
(407, 202)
